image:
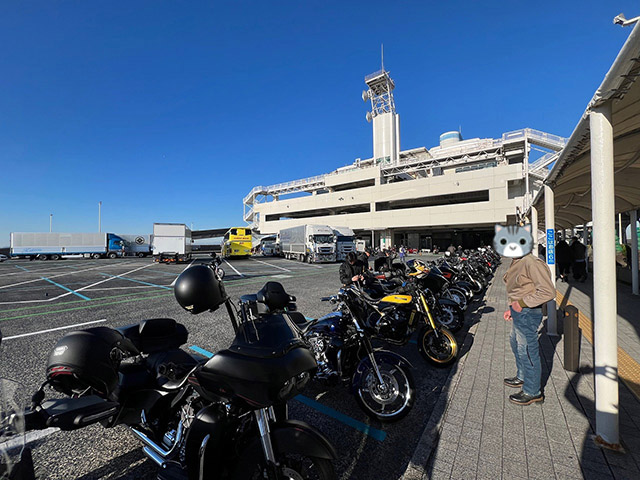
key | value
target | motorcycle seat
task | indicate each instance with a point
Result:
(155, 334)
(301, 322)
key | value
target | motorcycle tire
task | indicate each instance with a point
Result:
(374, 400)
(459, 297)
(292, 466)
(450, 317)
(439, 350)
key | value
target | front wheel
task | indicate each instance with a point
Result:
(438, 348)
(450, 317)
(293, 466)
(391, 400)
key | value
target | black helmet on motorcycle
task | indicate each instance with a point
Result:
(197, 289)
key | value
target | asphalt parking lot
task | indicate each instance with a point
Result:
(41, 301)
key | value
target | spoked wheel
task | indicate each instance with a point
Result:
(459, 297)
(220, 273)
(293, 466)
(439, 349)
(451, 317)
(390, 401)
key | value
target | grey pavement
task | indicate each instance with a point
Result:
(475, 432)
(581, 295)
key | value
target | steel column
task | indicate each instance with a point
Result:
(534, 229)
(633, 214)
(549, 222)
(605, 328)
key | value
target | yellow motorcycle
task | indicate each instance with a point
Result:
(396, 316)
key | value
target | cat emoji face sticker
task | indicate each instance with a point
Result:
(513, 241)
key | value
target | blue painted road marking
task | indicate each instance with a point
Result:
(201, 351)
(137, 281)
(65, 288)
(341, 417)
(352, 422)
(21, 268)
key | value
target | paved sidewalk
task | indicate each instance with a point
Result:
(475, 432)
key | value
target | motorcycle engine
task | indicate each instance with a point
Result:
(393, 326)
(326, 354)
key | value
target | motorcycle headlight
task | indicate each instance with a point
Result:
(293, 386)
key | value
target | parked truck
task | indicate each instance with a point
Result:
(268, 246)
(345, 242)
(308, 243)
(137, 245)
(52, 246)
(171, 242)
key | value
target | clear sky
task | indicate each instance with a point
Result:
(171, 111)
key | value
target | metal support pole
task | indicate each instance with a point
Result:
(605, 327)
(99, 217)
(634, 251)
(549, 221)
(50, 222)
(534, 230)
(585, 240)
(620, 232)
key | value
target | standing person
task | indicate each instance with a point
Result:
(351, 270)
(451, 249)
(564, 258)
(528, 284)
(579, 260)
(363, 257)
(403, 252)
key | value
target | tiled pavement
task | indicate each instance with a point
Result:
(475, 432)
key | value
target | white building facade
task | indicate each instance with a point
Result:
(452, 193)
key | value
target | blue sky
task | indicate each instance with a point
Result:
(172, 111)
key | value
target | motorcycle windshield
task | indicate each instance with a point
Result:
(12, 434)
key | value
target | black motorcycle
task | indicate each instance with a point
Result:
(198, 419)
(380, 380)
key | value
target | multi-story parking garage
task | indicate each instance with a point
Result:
(452, 193)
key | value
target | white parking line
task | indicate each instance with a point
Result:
(304, 264)
(174, 280)
(110, 278)
(233, 268)
(29, 437)
(53, 329)
(56, 276)
(271, 265)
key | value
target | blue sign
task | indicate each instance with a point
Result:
(551, 246)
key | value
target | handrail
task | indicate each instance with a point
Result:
(447, 152)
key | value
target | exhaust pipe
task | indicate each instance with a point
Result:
(154, 451)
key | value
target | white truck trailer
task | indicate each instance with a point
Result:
(171, 242)
(345, 242)
(308, 243)
(52, 246)
(137, 245)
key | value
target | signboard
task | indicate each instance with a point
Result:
(551, 246)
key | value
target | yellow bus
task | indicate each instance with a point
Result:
(237, 243)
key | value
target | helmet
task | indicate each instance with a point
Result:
(86, 359)
(197, 289)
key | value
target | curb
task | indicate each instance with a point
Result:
(417, 467)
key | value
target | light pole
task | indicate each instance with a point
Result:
(50, 222)
(99, 217)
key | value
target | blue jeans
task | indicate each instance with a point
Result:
(525, 347)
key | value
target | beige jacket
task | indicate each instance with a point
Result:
(529, 282)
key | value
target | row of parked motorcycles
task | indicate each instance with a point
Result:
(226, 416)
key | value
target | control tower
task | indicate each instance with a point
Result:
(386, 122)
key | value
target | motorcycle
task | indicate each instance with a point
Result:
(397, 314)
(216, 265)
(380, 380)
(198, 418)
